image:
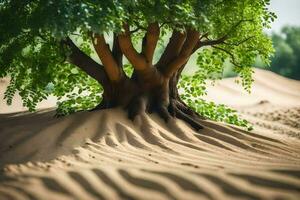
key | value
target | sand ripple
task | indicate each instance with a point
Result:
(103, 155)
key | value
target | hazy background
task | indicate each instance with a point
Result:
(285, 33)
(285, 62)
(288, 13)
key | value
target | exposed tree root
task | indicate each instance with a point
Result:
(153, 87)
(135, 107)
(183, 112)
(140, 105)
(191, 120)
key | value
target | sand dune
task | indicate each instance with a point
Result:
(268, 86)
(103, 155)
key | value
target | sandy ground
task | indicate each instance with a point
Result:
(103, 155)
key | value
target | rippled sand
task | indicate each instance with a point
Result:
(103, 155)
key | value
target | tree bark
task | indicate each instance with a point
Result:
(86, 63)
(136, 59)
(110, 65)
(172, 50)
(150, 41)
(116, 52)
(152, 88)
(186, 51)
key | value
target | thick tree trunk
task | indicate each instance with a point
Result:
(152, 88)
(149, 92)
(177, 107)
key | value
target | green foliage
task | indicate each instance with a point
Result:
(32, 55)
(76, 103)
(128, 69)
(286, 60)
(191, 89)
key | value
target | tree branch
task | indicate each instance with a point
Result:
(240, 42)
(137, 60)
(222, 39)
(237, 24)
(134, 30)
(85, 63)
(150, 41)
(116, 51)
(230, 54)
(211, 42)
(186, 51)
(172, 49)
(174, 81)
(106, 57)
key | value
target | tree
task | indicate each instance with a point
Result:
(286, 60)
(45, 49)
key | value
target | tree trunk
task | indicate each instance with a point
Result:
(152, 88)
(149, 92)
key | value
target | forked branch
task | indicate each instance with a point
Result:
(116, 51)
(106, 57)
(186, 51)
(173, 48)
(233, 61)
(222, 39)
(137, 60)
(85, 63)
(211, 42)
(150, 41)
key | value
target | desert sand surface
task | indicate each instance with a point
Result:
(103, 155)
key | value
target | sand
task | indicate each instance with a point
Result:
(103, 155)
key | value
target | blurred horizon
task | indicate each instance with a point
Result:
(288, 14)
(285, 34)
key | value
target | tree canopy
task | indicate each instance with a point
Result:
(34, 34)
